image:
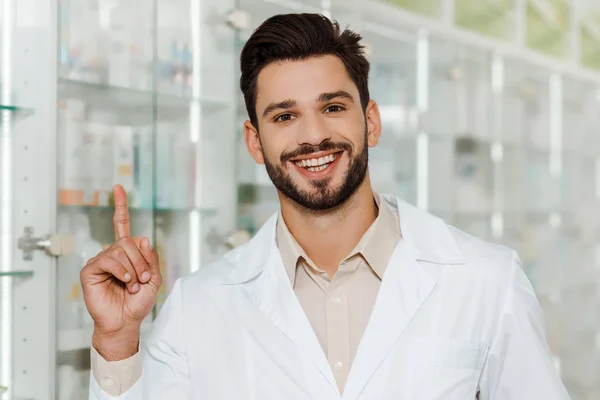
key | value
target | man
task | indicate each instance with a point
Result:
(345, 294)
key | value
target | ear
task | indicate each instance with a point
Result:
(253, 142)
(373, 119)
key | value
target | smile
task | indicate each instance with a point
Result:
(317, 164)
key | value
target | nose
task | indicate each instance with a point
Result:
(313, 131)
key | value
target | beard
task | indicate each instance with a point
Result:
(322, 196)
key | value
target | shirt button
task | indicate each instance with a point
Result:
(338, 365)
(336, 300)
(109, 382)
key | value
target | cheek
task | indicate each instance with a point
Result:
(350, 129)
(272, 149)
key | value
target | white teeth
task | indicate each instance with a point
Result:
(317, 169)
(314, 164)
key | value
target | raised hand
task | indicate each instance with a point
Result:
(120, 286)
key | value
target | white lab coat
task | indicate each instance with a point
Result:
(454, 316)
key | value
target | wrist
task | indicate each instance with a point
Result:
(116, 346)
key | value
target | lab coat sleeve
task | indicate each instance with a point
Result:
(519, 364)
(165, 371)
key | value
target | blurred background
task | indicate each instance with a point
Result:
(491, 113)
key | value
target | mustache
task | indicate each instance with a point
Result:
(307, 149)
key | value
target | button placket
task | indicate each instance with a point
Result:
(338, 338)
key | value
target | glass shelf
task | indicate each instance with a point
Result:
(133, 106)
(16, 274)
(201, 210)
(16, 111)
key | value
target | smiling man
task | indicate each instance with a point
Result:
(343, 294)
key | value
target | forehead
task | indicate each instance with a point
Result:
(303, 80)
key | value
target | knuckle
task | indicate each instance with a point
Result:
(121, 219)
(91, 260)
(117, 252)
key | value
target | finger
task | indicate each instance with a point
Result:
(119, 255)
(151, 258)
(97, 256)
(105, 266)
(137, 241)
(121, 216)
(142, 270)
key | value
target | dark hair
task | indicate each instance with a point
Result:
(296, 37)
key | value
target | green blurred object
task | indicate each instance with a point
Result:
(16, 111)
(548, 24)
(590, 42)
(430, 8)
(491, 18)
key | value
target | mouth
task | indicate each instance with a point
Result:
(318, 165)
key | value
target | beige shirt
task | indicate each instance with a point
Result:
(338, 308)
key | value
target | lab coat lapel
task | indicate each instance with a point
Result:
(404, 289)
(271, 293)
(279, 302)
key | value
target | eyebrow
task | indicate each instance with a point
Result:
(323, 98)
(279, 106)
(340, 94)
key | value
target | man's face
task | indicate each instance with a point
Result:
(314, 137)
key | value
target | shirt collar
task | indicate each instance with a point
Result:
(376, 245)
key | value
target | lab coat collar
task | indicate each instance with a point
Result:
(427, 235)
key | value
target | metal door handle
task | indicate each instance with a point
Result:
(53, 245)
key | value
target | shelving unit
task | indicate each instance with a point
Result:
(141, 210)
(10, 117)
(133, 106)
(16, 274)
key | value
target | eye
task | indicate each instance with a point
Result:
(284, 118)
(334, 109)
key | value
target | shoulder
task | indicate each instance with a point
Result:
(480, 253)
(213, 274)
(489, 265)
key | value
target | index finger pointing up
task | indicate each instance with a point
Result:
(121, 217)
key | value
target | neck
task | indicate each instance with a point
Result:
(329, 236)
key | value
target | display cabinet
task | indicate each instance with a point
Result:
(141, 94)
(498, 141)
(145, 99)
